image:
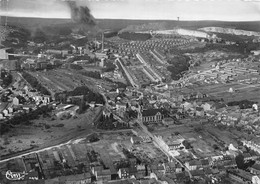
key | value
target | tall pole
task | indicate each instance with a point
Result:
(6, 6)
(1, 8)
(0, 26)
(102, 41)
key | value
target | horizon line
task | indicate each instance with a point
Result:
(64, 18)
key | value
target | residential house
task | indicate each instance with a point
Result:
(197, 174)
(170, 167)
(41, 65)
(15, 101)
(28, 107)
(166, 105)
(32, 93)
(2, 116)
(44, 99)
(230, 164)
(175, 145)
(101, 173)
(141, 171)
(214, 159)
(6, 113)
(10, 110)
(199, 111)
(120, 108)
(158, 168)
(186, 106)
(55, 62)
(92, 104)
(255, 169)
(191, 112)
(136, 140)
(106, 113)
(161, 168)
(206, 106)
(193, 164)
(205, 163)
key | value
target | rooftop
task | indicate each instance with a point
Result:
(152, 112)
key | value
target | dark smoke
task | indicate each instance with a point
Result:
(81, 14)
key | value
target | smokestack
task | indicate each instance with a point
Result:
(102, 41)
(81, 14)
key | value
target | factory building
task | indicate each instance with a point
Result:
(6, 53)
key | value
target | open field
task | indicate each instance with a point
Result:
(44, 132)
(244, 91)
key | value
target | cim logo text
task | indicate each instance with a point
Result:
(16, 176)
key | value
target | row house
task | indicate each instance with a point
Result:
(252, 144)
(248, 156)
(158, 168)
(255, 169)
(226, 161)
(45, 99)
(139, 172)
(241, 176)
(193, 165)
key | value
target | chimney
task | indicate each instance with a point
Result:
(102, 41)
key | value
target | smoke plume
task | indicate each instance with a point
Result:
(81, 14)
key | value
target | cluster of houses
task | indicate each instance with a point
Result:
(223, 71)
(235, 117)
(130, 48)
(15, 101)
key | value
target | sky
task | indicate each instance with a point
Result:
(225, 10)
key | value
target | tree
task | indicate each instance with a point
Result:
(39, 36)
(240, 161)
(186, 144)
(215, 147)
(111, 117)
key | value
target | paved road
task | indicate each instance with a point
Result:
(163, 149)
(64, 140)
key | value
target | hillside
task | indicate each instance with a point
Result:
(230, 31)
(193, 25)
(14, 36)
(3, 33)
(118, 24)
(145, 27)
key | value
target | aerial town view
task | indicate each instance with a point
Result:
(129, 92)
